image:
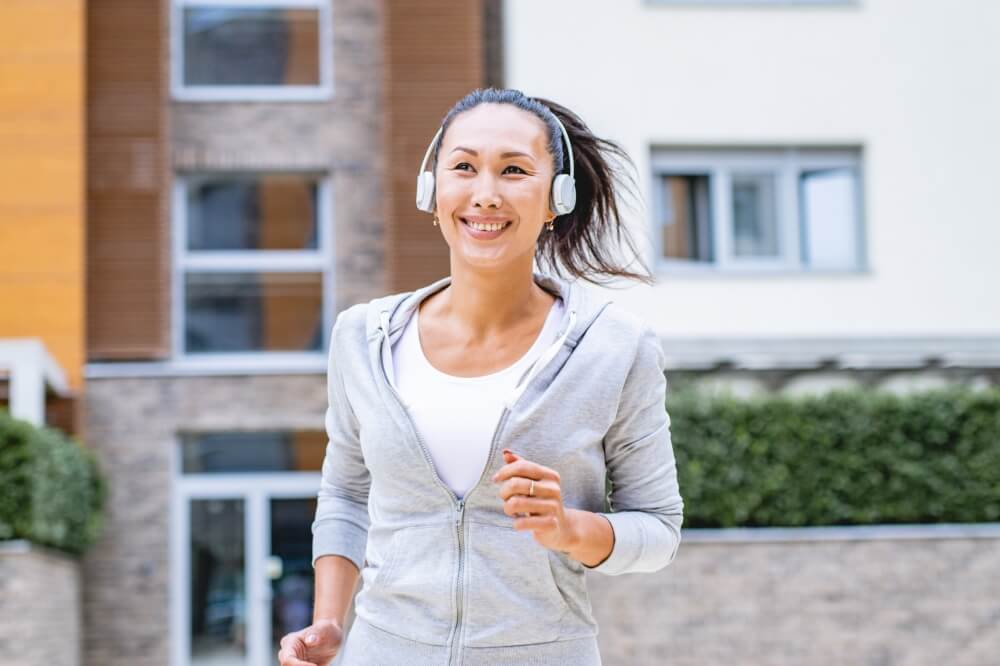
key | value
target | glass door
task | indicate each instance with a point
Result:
(289, 566)
(217, 584)
(241, 546)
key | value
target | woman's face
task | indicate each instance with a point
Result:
(493, 168)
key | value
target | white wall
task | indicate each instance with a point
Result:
(916, 83)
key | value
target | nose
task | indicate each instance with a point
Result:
(486, 194)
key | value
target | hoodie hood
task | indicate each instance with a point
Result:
(388, 316)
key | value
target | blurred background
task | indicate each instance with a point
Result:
(191, 190)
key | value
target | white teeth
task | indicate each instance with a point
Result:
(487, 227)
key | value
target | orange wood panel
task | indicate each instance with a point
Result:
(42, 161)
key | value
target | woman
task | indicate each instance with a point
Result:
(473, 422)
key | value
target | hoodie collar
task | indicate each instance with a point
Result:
(388, 315)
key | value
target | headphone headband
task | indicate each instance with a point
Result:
(430, 148)
(569, 146)
(562, 193)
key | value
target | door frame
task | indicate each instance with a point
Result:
(256, 490)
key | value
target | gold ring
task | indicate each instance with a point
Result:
(531, 489)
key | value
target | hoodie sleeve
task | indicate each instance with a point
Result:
(646, 506)
(341, 523)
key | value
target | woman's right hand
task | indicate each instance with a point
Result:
(316, 645)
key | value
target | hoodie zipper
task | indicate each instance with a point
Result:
(460, 503)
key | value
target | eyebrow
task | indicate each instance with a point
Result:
(509, 153)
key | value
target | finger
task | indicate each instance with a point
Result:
(522, 486)
(292, 642)
(520, 505)
(510, 456)
(294, 649)
(536, 523)
(287, 658)
(527, 469)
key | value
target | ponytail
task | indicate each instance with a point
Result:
(586, 242)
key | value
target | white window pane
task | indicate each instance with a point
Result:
(218, 587)
(829, 212)
(247, 312)
(293, 584)
(245, 46)
(686, 225)
(755, 216)
(268, 212)
(258, 451)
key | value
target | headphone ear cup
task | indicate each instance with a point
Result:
(563, 194)
(425, 192)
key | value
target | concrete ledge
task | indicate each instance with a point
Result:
(24, 547)
(842, 533)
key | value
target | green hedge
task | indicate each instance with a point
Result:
(849, 457)
(51, 491)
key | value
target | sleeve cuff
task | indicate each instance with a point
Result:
(339, 538)
(628, 544)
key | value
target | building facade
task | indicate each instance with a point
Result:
(195, 188)
(251, 172)
(813, 173)
(42, 212)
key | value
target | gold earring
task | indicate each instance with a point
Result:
(435, 220)
(550, 225)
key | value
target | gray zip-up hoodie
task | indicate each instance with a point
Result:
(449, 581)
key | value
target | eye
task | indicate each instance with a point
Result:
(458, 167)
(519, 169)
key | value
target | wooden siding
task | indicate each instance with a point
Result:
(434, 54)
(42, 177)
(127, 240)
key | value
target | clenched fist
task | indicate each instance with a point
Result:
(316, 645)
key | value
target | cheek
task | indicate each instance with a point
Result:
(446, 191)
(528, 195)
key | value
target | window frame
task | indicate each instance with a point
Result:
(319, 260)
(719, 164)
(245, 93)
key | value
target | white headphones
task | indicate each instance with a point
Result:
(562, 197)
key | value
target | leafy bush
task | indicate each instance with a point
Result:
(849, 457)
(51, 491)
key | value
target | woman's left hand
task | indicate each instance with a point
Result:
(544, 514)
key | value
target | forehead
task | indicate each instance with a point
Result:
(497, 126)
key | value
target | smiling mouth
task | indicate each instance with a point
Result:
(485, 229)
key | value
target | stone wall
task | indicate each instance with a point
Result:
(40, 614)
(853, 596)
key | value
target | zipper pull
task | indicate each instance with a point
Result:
(461, 510)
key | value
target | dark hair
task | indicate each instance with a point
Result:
(586, 240)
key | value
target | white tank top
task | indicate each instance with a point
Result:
(456, 416)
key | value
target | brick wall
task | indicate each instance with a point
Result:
(881, 601)
(40, 620)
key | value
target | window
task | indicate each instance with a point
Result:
(247, 452)
(251, 50)
(252, 266)
(758, 209)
